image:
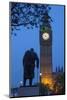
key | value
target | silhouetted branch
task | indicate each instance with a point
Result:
(29, 15)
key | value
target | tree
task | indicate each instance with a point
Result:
(59, 85)
(28, 15)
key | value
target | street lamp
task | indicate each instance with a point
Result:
(40, 77)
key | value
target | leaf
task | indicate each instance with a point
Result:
(29, 14)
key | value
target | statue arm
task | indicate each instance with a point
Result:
(23, 60)
(37, 61)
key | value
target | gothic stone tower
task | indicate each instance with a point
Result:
(46, 51)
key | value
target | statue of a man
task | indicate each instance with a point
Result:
(29, 59)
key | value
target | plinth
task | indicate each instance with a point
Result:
(28, 91)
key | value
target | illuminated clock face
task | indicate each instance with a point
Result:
(45, 36)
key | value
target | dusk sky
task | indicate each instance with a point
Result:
(29, 38)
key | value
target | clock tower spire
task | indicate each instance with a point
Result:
(46, 50)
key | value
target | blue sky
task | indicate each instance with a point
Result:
(27, 38)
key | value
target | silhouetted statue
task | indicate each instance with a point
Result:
(29, 60)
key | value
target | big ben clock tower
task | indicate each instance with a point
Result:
(46, 51)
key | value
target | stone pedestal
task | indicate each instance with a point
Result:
(28, 91)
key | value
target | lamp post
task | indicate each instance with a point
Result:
(40, 77)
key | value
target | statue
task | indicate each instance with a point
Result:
(29, 59)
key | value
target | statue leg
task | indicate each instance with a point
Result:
(24, 82)
(30, 81)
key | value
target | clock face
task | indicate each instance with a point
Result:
(45, 36)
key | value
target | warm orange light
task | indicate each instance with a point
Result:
(47, 81)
